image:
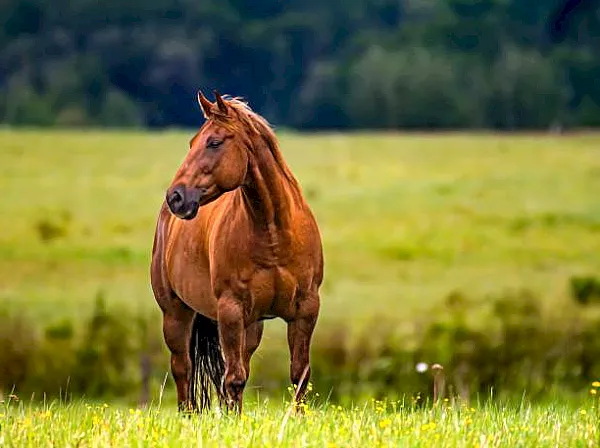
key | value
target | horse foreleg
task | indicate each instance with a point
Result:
(232, 334)
(177, 325)
(300, 332)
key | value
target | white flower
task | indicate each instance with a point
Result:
(422, 367)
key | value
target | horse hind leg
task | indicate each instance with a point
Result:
(300, 331)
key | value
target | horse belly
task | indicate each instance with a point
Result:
(196, 293)
(273, 293)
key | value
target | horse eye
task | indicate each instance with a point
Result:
(214, 144)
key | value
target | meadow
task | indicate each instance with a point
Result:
(373, 424)
(407, 220)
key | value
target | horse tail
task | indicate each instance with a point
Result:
(208, 367)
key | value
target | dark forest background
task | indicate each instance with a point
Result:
(310, 64)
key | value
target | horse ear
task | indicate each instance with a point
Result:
(222, 106)
(205, 105)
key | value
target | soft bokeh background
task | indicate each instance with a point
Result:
(477, 249)
(505, 64)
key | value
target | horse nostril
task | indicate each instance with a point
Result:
(175, 199)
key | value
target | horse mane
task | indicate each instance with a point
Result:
(257, 125)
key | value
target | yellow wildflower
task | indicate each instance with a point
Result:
(385, 423)
(583, 412)
(593, 391)
(596, 384)
(428, 426)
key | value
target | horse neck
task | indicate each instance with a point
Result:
(270, 195)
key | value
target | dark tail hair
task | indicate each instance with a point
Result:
(207, 363)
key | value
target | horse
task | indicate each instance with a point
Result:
(235, 244)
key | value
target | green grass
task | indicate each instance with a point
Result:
(405, 218)
(270, 424)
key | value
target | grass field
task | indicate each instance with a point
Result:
(375, 424)
(405, 220)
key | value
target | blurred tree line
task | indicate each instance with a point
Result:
(302, 63)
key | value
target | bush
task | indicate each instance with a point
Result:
(119, 111)
(502, 343)
(72, 117)
(416, 88)
(54, 227)
(18, 343)
(100, 358)
(526, 91)
(585, 289)
(22, 105)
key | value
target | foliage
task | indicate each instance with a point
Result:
(102, 359)
(585, 289)
(306, 64)
(503, 344)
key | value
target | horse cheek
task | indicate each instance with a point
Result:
(232, 172)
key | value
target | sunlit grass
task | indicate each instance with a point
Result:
(405, 219)
(377, 423)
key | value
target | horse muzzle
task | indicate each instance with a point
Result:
(185, 202)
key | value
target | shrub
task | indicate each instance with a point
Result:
(502, 343)
(72, 117)
(118, 111)
(585, 289)
(99, 358)
(52, 228)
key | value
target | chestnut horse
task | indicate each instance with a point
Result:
(236, 243)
